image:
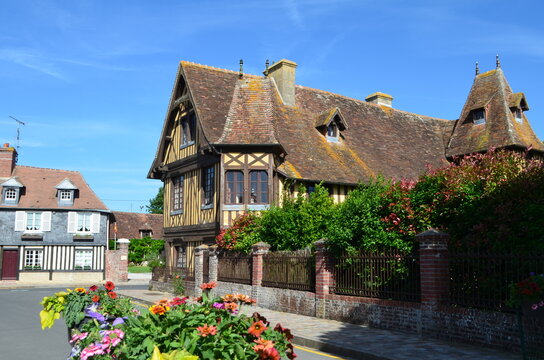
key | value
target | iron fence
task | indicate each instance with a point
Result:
(289, 270)
(385, 275)
(234, 267)
(482, 279)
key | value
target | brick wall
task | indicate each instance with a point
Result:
(117, 262)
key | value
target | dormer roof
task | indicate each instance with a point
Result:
(12, 182)
(66, 184)
(492, 93)
(328, 116)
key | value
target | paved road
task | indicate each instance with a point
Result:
(21, 337)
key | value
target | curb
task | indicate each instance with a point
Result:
(311, 343)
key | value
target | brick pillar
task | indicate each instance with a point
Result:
(257, 251)
(323, 277)
(434, 267)
(122, 267)
(199, 268)
(213, 263)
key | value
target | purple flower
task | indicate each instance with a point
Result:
(218, 305)
(118, 321)
(95, 315)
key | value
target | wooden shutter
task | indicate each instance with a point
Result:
(95, 223)
(20, 218)
(72, 221)
(46, 221)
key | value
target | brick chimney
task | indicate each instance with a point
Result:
(283, 73)
(380, 99)
(8, 158)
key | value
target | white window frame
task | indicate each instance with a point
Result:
(33, 222)
(73, 222)
(83, 258)
(33, 258)
(66, 195)
(480, 120)
(83, 223)
(518, 115)
(10, 196)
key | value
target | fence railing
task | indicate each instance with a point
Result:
(167, 273)
(289, 270)
(390, 275)
(482, 280)
(234, 267)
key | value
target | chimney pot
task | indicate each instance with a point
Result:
(380, 99)
(6, 145)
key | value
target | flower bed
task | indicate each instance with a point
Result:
(177, 329)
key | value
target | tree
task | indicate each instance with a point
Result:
(156, 205)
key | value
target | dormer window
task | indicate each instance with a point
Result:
(11, 191)
(478, 116)
(66, 192)
(518, 114)
(330, 123)
(187, 130)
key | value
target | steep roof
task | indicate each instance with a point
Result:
(491, 92)
(129, 224)
(40, 192)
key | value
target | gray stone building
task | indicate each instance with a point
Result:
(53, 227)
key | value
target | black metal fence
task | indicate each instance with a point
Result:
(234, 267)
(482, 279)
(386, 275)
(289, 270)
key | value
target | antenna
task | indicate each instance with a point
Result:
(19, 122)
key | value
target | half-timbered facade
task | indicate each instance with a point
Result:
(52, 225)
(233, 142)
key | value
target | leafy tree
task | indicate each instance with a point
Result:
(156, 205)
(140, 249)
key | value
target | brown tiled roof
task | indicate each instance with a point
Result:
(492, 92)
(40, 192)
(129, 224)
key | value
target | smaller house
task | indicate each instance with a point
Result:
(53, 227)
(131, 225)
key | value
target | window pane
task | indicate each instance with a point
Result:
(258, 187)
(208, 185)
(234, 187)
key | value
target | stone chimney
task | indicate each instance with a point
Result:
(283, 73)
(380, 99)
(8, 158)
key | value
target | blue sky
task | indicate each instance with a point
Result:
(92, 79)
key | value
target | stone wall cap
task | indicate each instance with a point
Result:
(432, 232)
(123, 241)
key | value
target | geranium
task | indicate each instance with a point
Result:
(207, 330)
(109, 285)
(95, 298)
(257, 328)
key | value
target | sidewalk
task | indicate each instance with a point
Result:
(356, 341)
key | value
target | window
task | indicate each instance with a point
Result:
(177, 194)
(33, 259)
(518, 114)
(208, 183)
(146, 233)
(83, 259)
(332, 130)
(11, 195)
(65, 195)
(188, 130)
(83, 222)
(234, 193)
(33, 221)
(478, 117)
(259, 187)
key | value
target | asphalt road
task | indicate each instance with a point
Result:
(21, 336)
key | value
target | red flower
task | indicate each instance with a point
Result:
(206, 330)
(112, 295)
(109, 285)
(93, 288)
(257, 328)
(269, 354)
(96, 298)
(209, 285)
(284, 331)
(178, 301)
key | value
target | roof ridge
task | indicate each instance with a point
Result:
(184, 62)
(43, 168)
(368, 103)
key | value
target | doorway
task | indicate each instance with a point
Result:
(10, 258)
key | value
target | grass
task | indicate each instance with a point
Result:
(138, 269)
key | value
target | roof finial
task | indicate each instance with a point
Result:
(477, 69)
(497, 61)
(241, 72)
(266, 65)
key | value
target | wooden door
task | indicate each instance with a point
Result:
(9, 264)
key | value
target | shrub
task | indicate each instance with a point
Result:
(138, 249)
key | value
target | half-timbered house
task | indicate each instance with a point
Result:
(233, 142)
